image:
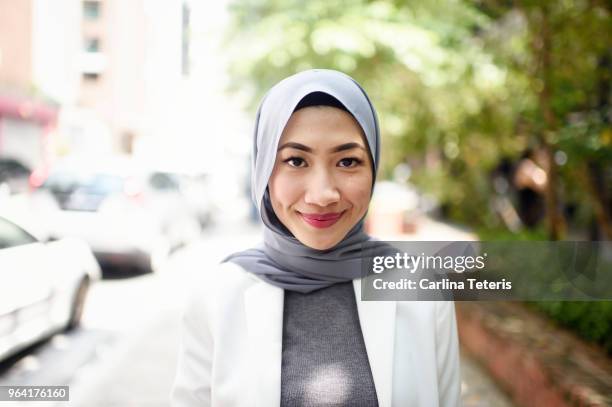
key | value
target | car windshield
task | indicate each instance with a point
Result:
(83, 192)
(98, 184)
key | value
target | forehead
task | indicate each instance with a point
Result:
(322, 125)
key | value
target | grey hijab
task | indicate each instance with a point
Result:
(281, 259)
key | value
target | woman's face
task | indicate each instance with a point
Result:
(322, 178)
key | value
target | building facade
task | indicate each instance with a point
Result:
(111, 68)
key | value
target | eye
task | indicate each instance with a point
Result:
(349, 162)
(295, 162)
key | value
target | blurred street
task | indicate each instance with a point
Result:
(125, 352)
(126, 130)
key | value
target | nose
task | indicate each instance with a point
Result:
(321, 189)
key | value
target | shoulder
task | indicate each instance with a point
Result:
(435, 317)
(428, 309)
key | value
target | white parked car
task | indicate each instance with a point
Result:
(129, 215)
(43, 286)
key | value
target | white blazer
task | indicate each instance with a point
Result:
(232, 342)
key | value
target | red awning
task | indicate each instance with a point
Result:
(27, 109)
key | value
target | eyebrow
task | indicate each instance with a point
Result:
(302, 147)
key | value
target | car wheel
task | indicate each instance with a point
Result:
(78, 304)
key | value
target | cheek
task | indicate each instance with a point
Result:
(358, 189)
(285, 189)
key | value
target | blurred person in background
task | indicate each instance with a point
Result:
(284, 323)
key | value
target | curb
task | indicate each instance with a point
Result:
(535, 362)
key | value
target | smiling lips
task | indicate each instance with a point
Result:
(321, 220)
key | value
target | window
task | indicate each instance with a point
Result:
(92, 45)
(12, 235)
(91, 9)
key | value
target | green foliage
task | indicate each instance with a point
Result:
(456, 83)
(500, 234)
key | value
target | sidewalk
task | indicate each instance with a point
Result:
(139, 374)
(478, 388)
(539, 363)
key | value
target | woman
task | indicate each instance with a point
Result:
(284, 323)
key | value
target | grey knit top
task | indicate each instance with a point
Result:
(324, 359)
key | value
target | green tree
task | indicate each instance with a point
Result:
(458, 85)
(565, 62)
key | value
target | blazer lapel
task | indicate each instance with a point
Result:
(377, 319)
(264, 313)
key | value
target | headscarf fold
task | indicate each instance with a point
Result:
(282, 260)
